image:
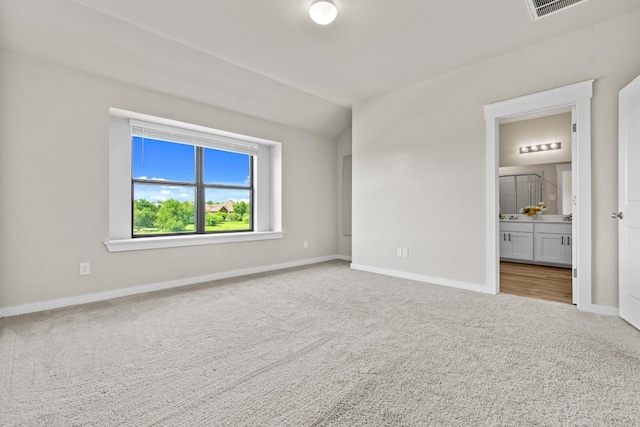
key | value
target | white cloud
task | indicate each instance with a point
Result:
(185, 195)
(165, 192)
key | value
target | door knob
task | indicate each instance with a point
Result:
(615, 215)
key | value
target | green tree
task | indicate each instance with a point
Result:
(144, 214)
(144, 218)
(241, 208)
(174, 216)
(234, 217)
(142, 204)
(212, 220)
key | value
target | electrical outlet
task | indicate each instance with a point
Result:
(305, 244)
(405, 253)
(85, 268)
(399, 251)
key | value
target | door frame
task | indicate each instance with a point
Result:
(578, 97)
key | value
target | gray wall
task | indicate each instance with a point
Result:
(419, 155)
(556, 128)
(54, 125)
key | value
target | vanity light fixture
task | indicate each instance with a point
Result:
(323, 12)
(540, 147)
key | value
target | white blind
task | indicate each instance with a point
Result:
(187, 136)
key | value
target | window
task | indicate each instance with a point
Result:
(178, 188)
(176, 184)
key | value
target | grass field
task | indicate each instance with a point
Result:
(229, 226)
(223, 226)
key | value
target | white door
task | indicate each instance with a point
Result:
(629, 202)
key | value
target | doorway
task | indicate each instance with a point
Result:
(535, 153)
(577, 97)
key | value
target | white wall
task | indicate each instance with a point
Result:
(419, 156)
(54, 125)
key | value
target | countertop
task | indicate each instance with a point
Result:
(539, 220)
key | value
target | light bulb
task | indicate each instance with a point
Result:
(544, 147)
(554, 146)
(323, 12)
(534, 148)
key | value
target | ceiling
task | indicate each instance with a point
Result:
(267, 59)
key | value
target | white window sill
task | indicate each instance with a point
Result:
(144, 243)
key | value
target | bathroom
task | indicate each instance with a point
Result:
(536, 242)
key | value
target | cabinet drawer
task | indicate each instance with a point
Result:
(518, 227)
(553, 228)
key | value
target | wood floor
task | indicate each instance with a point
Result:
(536, 281)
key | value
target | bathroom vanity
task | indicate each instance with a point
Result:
(536, 241)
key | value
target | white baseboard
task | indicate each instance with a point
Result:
(423, 278)
(601, 309)
(591, 308)
(102, 296)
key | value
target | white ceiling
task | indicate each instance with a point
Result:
(268, 59)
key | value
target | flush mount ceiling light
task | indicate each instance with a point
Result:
(323, 12)
(540, 147)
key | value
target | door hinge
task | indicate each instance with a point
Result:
(575, 126)
(575, 272)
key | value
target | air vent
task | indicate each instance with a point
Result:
(541, 8)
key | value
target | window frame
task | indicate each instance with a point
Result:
(267, 181)
(199, 187)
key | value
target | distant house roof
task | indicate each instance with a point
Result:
(220, 207)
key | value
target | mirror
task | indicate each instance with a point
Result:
(347, 167)
(552, 187)
(565, 196)
(518, 191)
(539, 128)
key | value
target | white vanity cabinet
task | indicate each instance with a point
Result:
(553, 243)
(541, 242)
(516, 241)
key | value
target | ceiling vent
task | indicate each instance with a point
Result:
(541, 8)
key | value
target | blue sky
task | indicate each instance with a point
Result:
(167, 161)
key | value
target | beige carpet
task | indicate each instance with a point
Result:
(318, 346)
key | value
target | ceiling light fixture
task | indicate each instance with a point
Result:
(323, 12)
(540, 147)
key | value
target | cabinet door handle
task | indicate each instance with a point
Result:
(504, 237)
(509, 236)
(562, 240)
(568, 240)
